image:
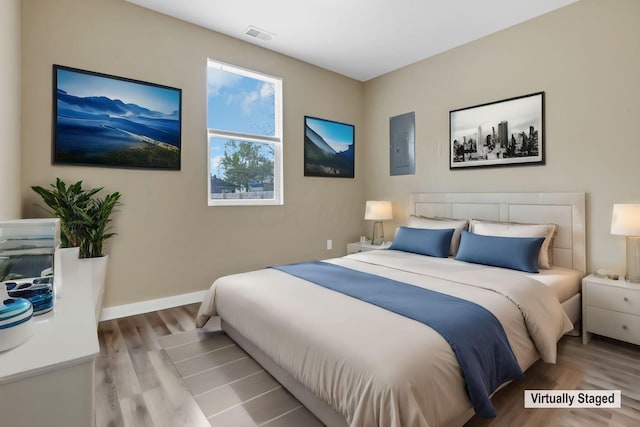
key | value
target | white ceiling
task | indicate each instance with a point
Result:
(361, 39)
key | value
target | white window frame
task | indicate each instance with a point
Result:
(276, 140)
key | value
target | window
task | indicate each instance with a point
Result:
(244, 126)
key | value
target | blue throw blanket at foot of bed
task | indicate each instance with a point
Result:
(475, 334)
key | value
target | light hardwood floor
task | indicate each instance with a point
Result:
(136, 382)
(230, 388)
(138, 385)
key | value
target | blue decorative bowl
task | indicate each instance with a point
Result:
(38, 291)
(15, 320)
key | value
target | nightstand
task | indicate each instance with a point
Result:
(356, 247)
(610, 308)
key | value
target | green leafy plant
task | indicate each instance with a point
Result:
(84, 218)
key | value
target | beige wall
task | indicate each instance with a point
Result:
(170, 242)
(10, 207)
(585, 57)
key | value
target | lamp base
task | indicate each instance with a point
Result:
(378, 233)
(633, 259)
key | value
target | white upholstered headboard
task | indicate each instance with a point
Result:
(567, 210)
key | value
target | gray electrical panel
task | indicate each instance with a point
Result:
(402, 135)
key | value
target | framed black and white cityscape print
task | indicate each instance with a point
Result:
(502, 133)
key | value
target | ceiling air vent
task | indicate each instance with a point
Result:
(257, 33)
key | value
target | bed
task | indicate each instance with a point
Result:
(354, 363)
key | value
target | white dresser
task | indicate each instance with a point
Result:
(49, 380)
(610, 308)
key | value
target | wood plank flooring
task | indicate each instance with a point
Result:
(603, 364)
(230, 388)
(137, 384)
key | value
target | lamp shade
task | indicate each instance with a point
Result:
(377, 210)
(625, 220)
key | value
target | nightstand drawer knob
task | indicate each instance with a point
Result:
(626, 299)
(624, 327)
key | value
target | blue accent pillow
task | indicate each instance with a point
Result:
(516, 253)
(423, 241)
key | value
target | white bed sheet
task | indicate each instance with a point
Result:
(371, 365)
(564, 281)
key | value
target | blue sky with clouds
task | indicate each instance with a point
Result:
(240, 104)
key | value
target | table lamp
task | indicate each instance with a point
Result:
(378, 211)
(625, 221)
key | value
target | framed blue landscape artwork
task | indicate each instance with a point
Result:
(104, 120)
(328, 148)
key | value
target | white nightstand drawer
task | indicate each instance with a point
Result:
(622, 326)
(613, 298)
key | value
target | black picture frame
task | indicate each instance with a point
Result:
(329, 148)
(509, 132)
(110, 121)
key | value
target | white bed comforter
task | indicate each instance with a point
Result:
(375, 367)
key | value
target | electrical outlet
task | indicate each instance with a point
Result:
(329, 245)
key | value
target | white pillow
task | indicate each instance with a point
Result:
(441, 223)
(514, 229)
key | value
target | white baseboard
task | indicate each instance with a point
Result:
(132, 309)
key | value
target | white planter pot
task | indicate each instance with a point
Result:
(98, 268)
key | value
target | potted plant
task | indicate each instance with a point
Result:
(84, 218)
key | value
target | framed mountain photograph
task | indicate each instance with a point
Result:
(328, 148)
(104, 120)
